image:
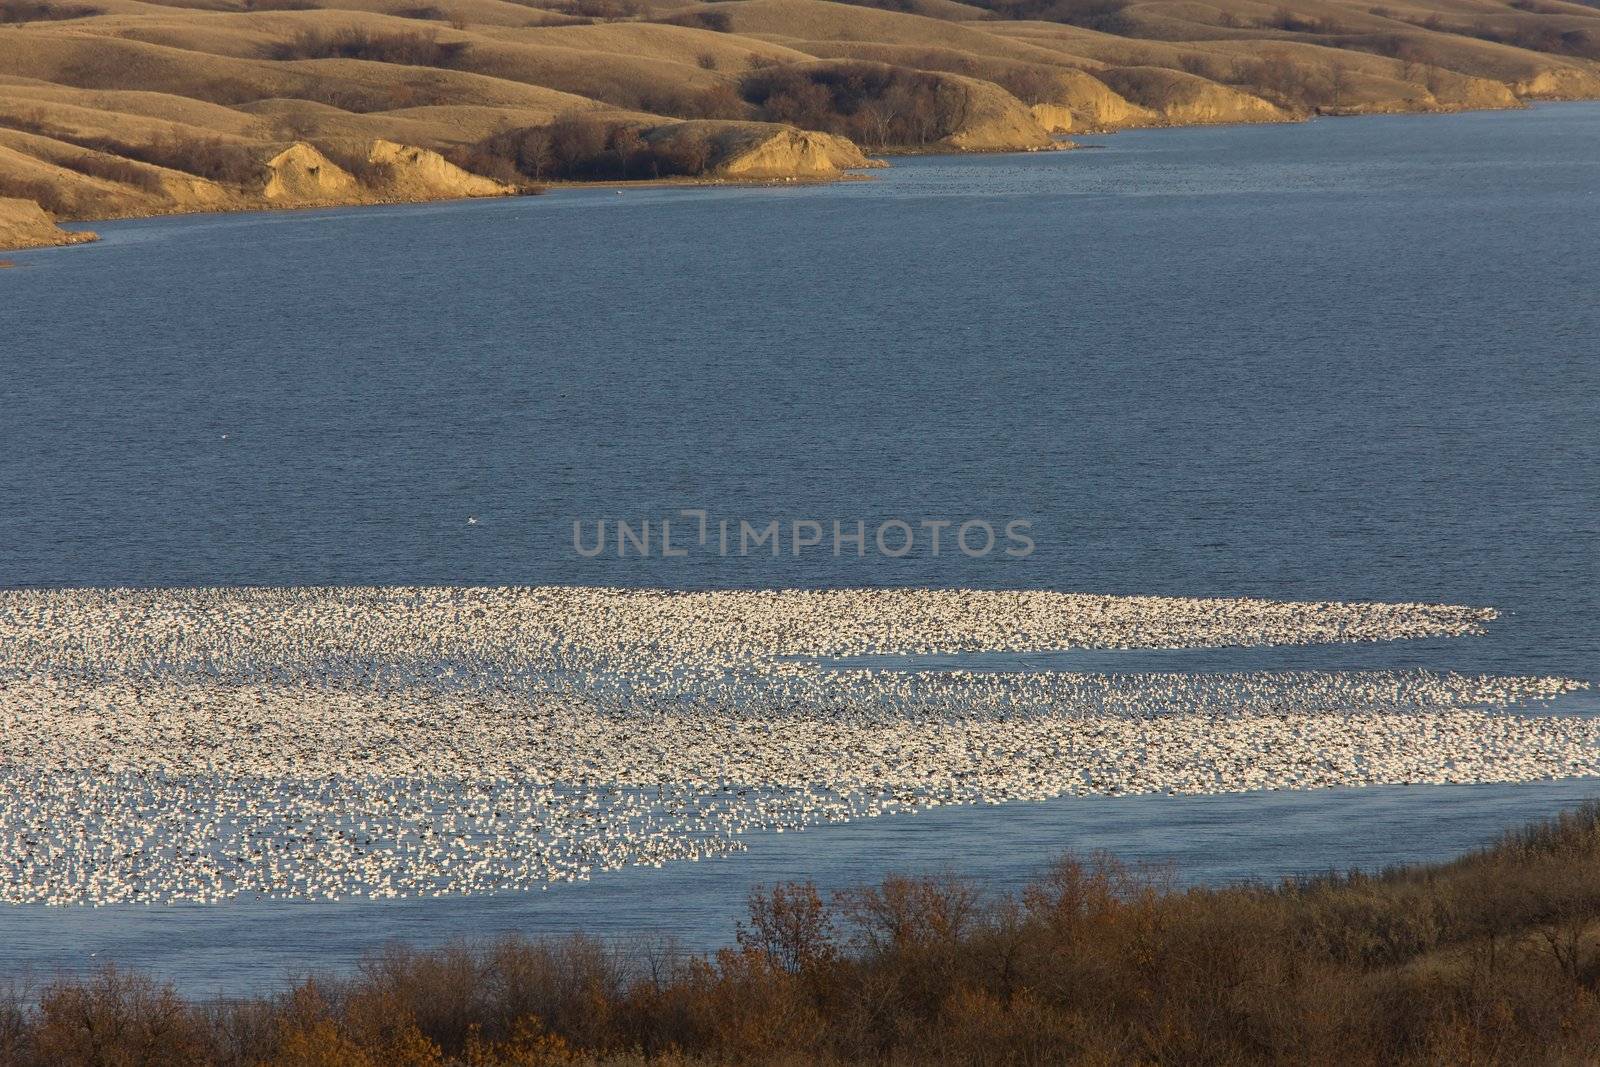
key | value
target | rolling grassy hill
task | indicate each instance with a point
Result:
(125, 107)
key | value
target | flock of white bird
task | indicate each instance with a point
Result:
(207, 744)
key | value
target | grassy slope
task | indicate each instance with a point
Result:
(81, 80)
(1492, 958)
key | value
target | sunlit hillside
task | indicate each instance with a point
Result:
(125, 107)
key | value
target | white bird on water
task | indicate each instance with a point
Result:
(202, 745)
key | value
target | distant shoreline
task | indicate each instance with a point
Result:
(64, 237)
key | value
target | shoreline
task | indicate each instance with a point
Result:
(69, 237)
(1369, 932)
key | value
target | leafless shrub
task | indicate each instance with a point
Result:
(871, 103)
(606, 10)
(15, 997)
(116, 1017)
(1107, 16)
(1287, 18)
(116, 169)
(54, 198)
(410, 49)
(1031, 85)
(721, 101)
(208, 157)
(579, 147)
(789, 926)
(43, 11)
(1489, 958)
(716, 21)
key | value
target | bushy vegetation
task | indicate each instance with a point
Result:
(1107, 16)
(1031, 85)
(54, 198)
(416, 49)
(721, 101)
(220, 161)
(715, 21)
(605, 10)
(903, 6)
(226, 162)
(1535, 35)
(281, 5)
(873, 104)
(1491, 958)
(585, 148)
(870, 103)
(207, 157)
(43, 11)
(116, 169)
(424, 12)
(1275, 75)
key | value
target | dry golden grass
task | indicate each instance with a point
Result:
(795, 22)
(442, 74)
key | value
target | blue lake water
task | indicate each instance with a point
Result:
(1342, 360)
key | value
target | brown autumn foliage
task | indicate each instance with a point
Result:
(53, 198)
(605, 10)
(43, 11)
(578, 147)
(424, 12)
(870, 103)
(416, 49)
(715, 21)
(720, 101)
(116, 169)
(222, 161)
(1492, 958)
(1103, 15)
(1272, 75)
(209, 157)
